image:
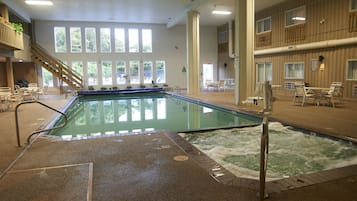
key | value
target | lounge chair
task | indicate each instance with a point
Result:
(216, 85)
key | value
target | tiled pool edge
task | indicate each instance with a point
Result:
(274, 186)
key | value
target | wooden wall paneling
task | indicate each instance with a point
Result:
(3, 78)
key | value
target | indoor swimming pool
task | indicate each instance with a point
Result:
(291, 152)
(106, 115)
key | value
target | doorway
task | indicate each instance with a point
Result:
(207, 74)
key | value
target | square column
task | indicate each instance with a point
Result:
(244, 49)
(193, 52)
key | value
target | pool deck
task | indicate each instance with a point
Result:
(155, 167)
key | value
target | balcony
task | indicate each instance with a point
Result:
(9, 38)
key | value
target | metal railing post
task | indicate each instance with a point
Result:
(264, 143)
(39, 131)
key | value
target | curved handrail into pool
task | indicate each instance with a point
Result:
(39, 131)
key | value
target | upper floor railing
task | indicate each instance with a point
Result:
(9, 37)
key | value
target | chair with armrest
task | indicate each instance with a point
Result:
(301, 92)
(334, 94)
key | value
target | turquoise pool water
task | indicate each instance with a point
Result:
(291, 152)
(104, 115)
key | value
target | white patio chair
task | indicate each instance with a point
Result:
(304, 94)
(5, 93)
(335, 94)
(222, 85)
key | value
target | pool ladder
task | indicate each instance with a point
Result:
(37, 131)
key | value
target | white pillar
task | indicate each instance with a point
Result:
(193, 52)
(244, 49)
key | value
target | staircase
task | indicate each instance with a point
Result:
(41, 57)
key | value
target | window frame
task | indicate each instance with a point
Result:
(265, 72)
(348, 69)
(296, 78)
(151, 72)
(103, 74)
(55, 39)
(144, 42)
(95, 49)
(80, 63)
(115, 40)
(292, 10)
(125, 71)
(138, 73)
(263, 20)
(130, 40)
(351, 5)
(96, 78)
(101, 42)
(80, 46)
(156, 70)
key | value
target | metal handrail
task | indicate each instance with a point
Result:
(39, 131)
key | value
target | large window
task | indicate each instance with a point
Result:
(76, 39)
(352, 70)
(134, 67)
(146, 40)
(133, 40)
(295, 16)
(92, 70)
(105, 40)
(119, 40)
(294, 71)
(107, 73)
(60, 39)
(91, 39)
(264, 72)
(77, 66)
(353, 5)
(264, 25)
(121, 72)
(147, 65)
(110, 41)
(160, 72)
(47, 78)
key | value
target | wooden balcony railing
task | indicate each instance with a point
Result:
(295, 33)
(9, 38)
(263, 39)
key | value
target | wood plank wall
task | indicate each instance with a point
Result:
(326, 20)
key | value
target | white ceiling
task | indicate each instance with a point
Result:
(169, 12)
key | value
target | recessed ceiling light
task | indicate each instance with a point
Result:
(39, 2)
(221, 12)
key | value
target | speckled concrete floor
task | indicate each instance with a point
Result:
(143, 167)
